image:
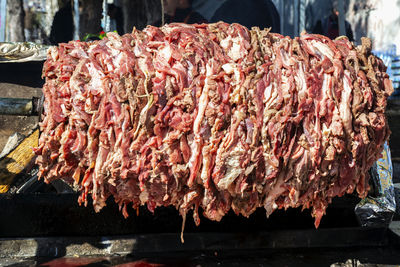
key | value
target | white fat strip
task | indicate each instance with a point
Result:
(285, 87)
(275, 191)
(225, 42)
(96, 172)
(326, 131)
(77, 93)
(99, 166)
(144, 197)
(117, 61)
(110, 67)
(96, 77)
(53, 52)
(203, 101)
(142, 65)
(300, 79)
(270, 94)
(64, 138)
(78, 52)
(324, 90)
(344, 107)
(64, 110)
(88, 104)
(165, 52)
(114, 45)
(232, 164)
(110, 133)
(235, 95)
(327, 91)
(323, 49)
(114, 156)
(190, 70)
(234, 51)
(112, 181)
(267, 93)
(137, 51)
(92, 46)
(228, 68)
(231, 68)
(269, 169)
(205, 172)
(285, 57)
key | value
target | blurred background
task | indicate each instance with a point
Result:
(32, 20)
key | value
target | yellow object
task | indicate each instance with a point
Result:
(16, 161)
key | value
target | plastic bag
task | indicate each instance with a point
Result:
(378, 208)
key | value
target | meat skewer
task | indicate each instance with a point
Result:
(214, 116)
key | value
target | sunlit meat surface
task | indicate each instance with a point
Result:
(215, 117)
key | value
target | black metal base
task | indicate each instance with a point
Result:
(150, 244)
(52, 229)
(23, 73)
(50, 214)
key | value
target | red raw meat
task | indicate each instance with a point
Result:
(213, 116)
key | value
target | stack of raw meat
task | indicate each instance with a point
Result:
(215, 116)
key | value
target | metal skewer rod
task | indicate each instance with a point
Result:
(19, 106)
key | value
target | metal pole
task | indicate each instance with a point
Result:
(302, 16)
(76, 19)
(19, 106)
(282, 16)
(3, 12)
(296, 17)
(342, 27)
(106, 19)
